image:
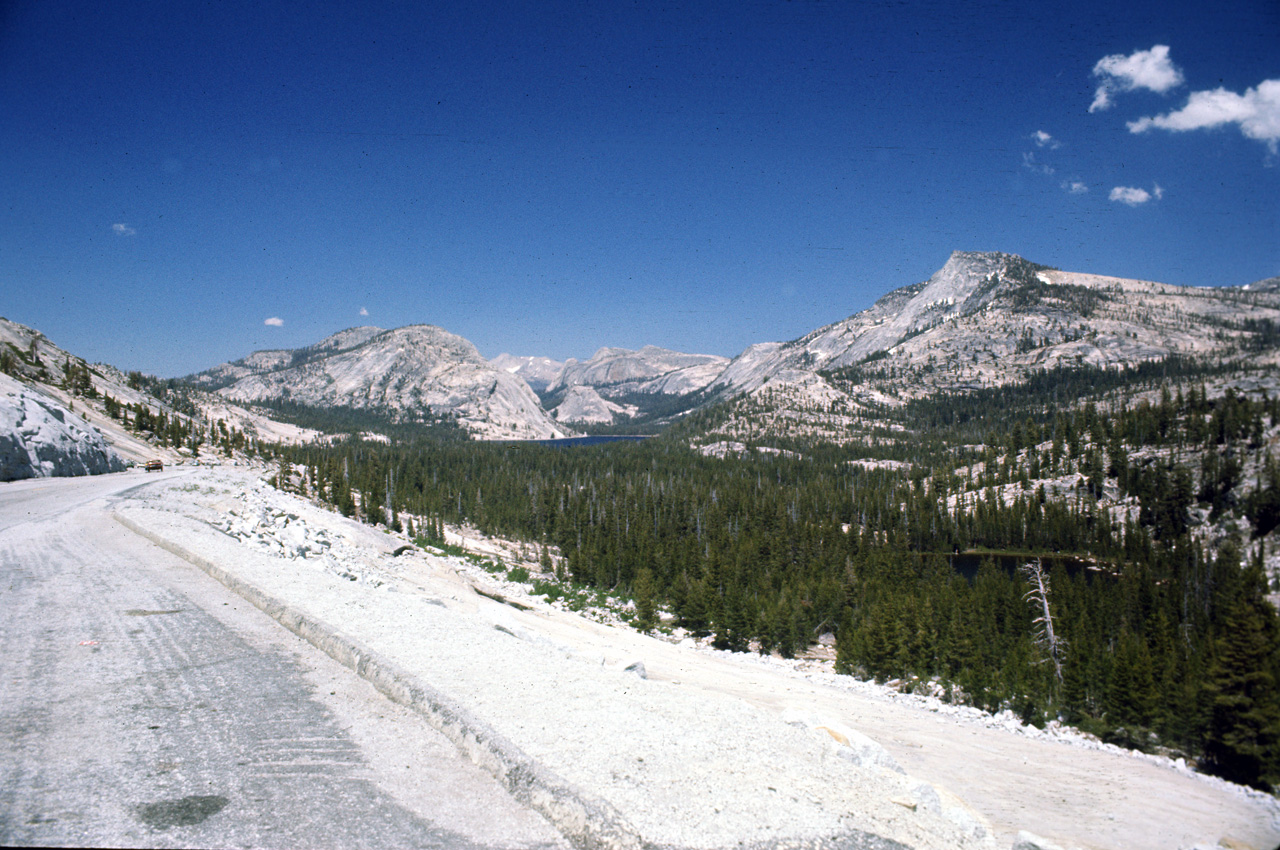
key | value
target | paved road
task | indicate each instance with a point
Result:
(142, 704)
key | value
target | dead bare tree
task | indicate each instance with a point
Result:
(1038, 596)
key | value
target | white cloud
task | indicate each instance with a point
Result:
(1256, 112)
(1044, 140)
(1135, 197)
(1029, 162)
(364, 312)
(1074, 187)
(1143, 69)
(274, 321)
(123, 230)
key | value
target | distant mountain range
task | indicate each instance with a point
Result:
(983, 320)
(537, 372)
(650, 370)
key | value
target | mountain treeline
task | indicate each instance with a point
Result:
(1126, 618)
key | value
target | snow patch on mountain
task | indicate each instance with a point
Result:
(538, 372)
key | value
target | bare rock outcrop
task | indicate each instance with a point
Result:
(39, 438)
(410, 374)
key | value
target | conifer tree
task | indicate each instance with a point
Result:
(1131, 691)
(1244, 724)
(646, 604)
(694, 615)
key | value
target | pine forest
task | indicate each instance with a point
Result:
(1099, 563)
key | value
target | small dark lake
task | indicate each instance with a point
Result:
(967, 563)
(578, 442)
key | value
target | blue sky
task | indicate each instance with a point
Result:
(547, 178)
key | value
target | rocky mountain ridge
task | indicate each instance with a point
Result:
(983, 320)
(582, 404)
(1012, 315)
(1270, 284)
(418, 373)
(619, 384)
(619, 371)
(271, 360)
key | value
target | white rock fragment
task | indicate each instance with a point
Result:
(1031, 841)
(851, 744)
(926, 798)
(965, 819)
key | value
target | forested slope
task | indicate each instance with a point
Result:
(1164, 501)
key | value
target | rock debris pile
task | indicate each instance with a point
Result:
(254, 519)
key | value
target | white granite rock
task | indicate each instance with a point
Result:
(39, 437)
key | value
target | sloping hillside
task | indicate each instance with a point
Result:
(139, 417)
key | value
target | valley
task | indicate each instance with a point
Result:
(1007, 494)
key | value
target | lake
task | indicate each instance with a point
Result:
(576, 442)
(967, 563)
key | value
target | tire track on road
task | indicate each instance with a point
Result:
(163, 729)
